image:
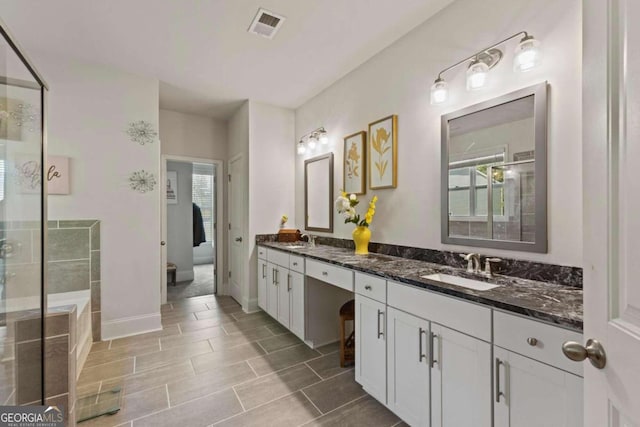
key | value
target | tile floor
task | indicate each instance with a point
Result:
(202, 284)
(213, 364)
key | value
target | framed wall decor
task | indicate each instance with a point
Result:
(382, 153)
(172, 187)
(355, 166)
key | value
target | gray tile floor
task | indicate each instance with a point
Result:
(213, 364)
(201, 285)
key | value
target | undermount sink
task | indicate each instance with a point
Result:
(294, 246)
(476, 285)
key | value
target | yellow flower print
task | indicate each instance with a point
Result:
(352, 161)
(379, 143)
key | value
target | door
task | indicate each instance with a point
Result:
(283, 280)
(371, 351)
(460, 379)
(611, 224)
(262, 284)
(523, 386)
(408, 367)
(297, 304)
(272, 290)
(236, 227)
(23, 213)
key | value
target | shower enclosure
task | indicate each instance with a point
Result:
(23, 298)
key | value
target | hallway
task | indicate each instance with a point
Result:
(213, 364)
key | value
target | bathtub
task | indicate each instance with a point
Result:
(82, 301)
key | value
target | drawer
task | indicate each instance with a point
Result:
(278, 257)
(536, 340)
(466, 317)
(371, 286)
(338, 276)
(262, 252)
(296, 263)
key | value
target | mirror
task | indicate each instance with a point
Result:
(494, 162)
(318, 193)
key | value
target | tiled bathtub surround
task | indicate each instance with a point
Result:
(549, 273)
(74, 262)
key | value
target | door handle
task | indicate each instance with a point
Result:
(380, 332)
(273, 276)
(264, 271)
(497, 369)
(288, 282)
(238, 239)
(432, 359)
(594, 351)
(421, 355)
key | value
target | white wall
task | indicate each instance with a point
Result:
(89, 109)
(180, 223)
(190, 135)
(271, 177)
(397, 81)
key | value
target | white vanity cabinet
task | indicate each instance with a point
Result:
(445, 368)
(371, 346)
(534, 383)
(281, 288)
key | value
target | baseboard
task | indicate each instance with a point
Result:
(185, 275)
(130, 326)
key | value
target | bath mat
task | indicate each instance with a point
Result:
(107, 402)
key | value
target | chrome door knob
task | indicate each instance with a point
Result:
(592, 351)
(238, 239)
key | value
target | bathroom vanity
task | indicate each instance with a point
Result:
(435, 353)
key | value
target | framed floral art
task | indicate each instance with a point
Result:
(355, 166)
(382, 153)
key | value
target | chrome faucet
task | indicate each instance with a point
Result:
(310, 238)
(487, 266)
(473, 262)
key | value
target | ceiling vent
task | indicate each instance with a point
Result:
(266, 24)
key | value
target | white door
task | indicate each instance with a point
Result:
(163, 233)
(283, 279)
(236, 229)
(408, 367)
(272, 290)
(371, 349)
(611, 206)
(460, 379)
(262, 284)
(297, 304)
(526, 386)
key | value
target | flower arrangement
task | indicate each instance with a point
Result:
(283, 220)
(346, 205)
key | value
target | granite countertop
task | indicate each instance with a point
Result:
(557, 304)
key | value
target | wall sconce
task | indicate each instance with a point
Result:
(527, 57)
(313, 138)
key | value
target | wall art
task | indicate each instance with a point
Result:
(142, 132)
(355, 166)
(28, 174)
(382, 153)
(142, 181)
(172, 188)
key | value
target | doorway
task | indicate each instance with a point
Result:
(191, 214)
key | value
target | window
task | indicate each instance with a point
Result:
(468, 187)
(203, 193)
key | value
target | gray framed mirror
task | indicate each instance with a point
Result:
(318, 193)
(494, 173)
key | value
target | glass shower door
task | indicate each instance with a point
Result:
(22, 210)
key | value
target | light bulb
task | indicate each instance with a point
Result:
(477, 75)
(324, 138)
(439, 92)
(301, 147)
(311, 142)
(527, 54)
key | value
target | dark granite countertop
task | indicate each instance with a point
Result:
(548, 302)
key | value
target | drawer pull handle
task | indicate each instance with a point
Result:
(324, 273)
(367, 288)
(497, 369)
(532, 341)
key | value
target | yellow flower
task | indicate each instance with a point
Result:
(344, 194)
(368, 218)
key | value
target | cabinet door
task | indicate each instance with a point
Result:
(296, 298)
(371, 350)
(408, 367)
(272, 290)
(533, 394)
(283, 280)
(460, 379)
(262, 284)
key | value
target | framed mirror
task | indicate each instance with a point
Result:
(318, 193)
(494, 173)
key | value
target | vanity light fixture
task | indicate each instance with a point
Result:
(527, 56)
(314, 137)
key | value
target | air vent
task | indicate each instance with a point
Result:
(266, 24)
